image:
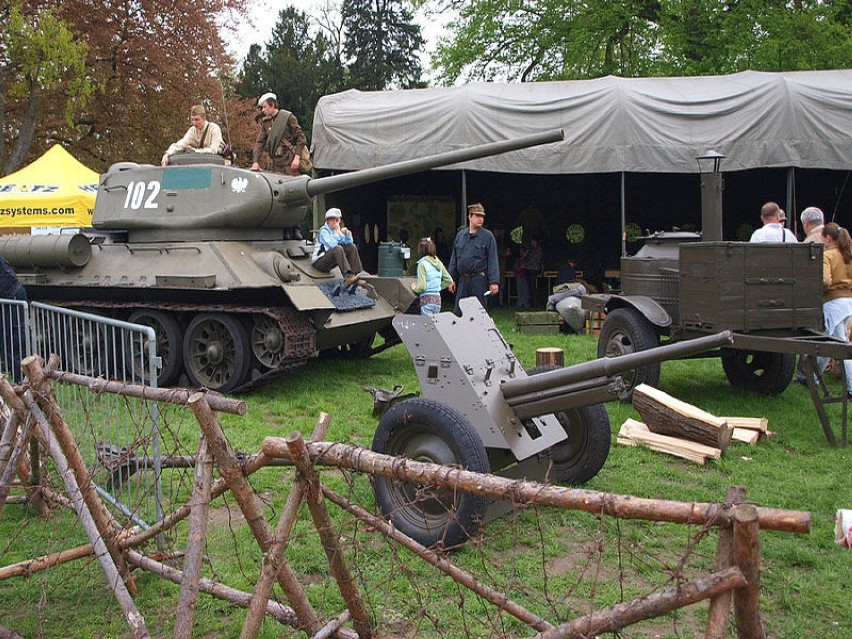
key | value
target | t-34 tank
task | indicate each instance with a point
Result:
(212, 258)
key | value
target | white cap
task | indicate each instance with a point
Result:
(335, 212)
(266, 96)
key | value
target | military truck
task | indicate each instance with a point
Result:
(212, 257)
(681, 285)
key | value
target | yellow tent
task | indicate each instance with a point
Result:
(55, 190)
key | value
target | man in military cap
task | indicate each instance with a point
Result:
(280, 136)
(202, 137)
(474, 264)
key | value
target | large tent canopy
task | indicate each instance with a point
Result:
(611, 124)
(55, 190)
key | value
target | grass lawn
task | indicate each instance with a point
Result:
(559, 564)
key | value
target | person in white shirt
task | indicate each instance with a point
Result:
(202, 137)
(772, 229)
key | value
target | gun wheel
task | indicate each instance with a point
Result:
(582, 455)
(428, 431)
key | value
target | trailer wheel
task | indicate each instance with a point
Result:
(429, 431)
(758, 371)
(625, 331)
(216, 352)
(169, 345)
(580, 457)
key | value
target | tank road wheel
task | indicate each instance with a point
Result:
(626, 331)
(89, 349)
(759, 371)
(580, 457)
(426, 430)
(267, 341)
(216, 352)
(169, 341)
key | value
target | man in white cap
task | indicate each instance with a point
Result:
(280, 136)
(202, 137)
(335, 248)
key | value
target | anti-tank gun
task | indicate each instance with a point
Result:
(210, 256)
(481, 411)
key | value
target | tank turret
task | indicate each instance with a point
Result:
(209, 255)
(208, 201)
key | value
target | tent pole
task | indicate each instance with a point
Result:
(623, 218)
(462, 220)
(790, 206)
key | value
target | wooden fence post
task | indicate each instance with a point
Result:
(328, 536)
(272, 558)
(251, 507)
(719, 614)
(106, 524)
(747, 558)
(188, 598)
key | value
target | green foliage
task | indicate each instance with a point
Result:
(304, 60)
(522, 40)
(382, 44)
(39, 55)
(298, 64)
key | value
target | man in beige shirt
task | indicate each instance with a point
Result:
(812, 223)
(202, 137)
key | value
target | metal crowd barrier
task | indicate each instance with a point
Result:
(111, 430)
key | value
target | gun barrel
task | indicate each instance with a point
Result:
(611, 366)
(343, 181)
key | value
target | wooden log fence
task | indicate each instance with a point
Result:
(35, 415)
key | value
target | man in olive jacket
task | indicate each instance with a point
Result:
(280, 136)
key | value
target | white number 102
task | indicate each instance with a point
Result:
(136, 195)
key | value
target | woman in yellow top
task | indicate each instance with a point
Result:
(837, 287)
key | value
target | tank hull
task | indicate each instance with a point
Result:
(260, 304)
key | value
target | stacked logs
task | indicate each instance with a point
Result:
(682, 430)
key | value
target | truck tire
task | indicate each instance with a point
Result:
(580, 457)
(626, 331)
(429, 431)
(758, 371)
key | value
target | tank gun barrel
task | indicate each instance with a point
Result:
(343, 181)
(611, 366)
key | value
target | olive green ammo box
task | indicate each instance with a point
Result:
(539, 323)
(750, 287)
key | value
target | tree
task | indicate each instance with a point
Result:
(382, 43)
(523, 40)
(38, 57)
(148, 62)
(299, 64)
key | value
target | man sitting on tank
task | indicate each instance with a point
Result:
(202, 137)
(335, 248)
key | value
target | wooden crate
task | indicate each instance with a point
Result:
(538, 323)
(750, 287)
